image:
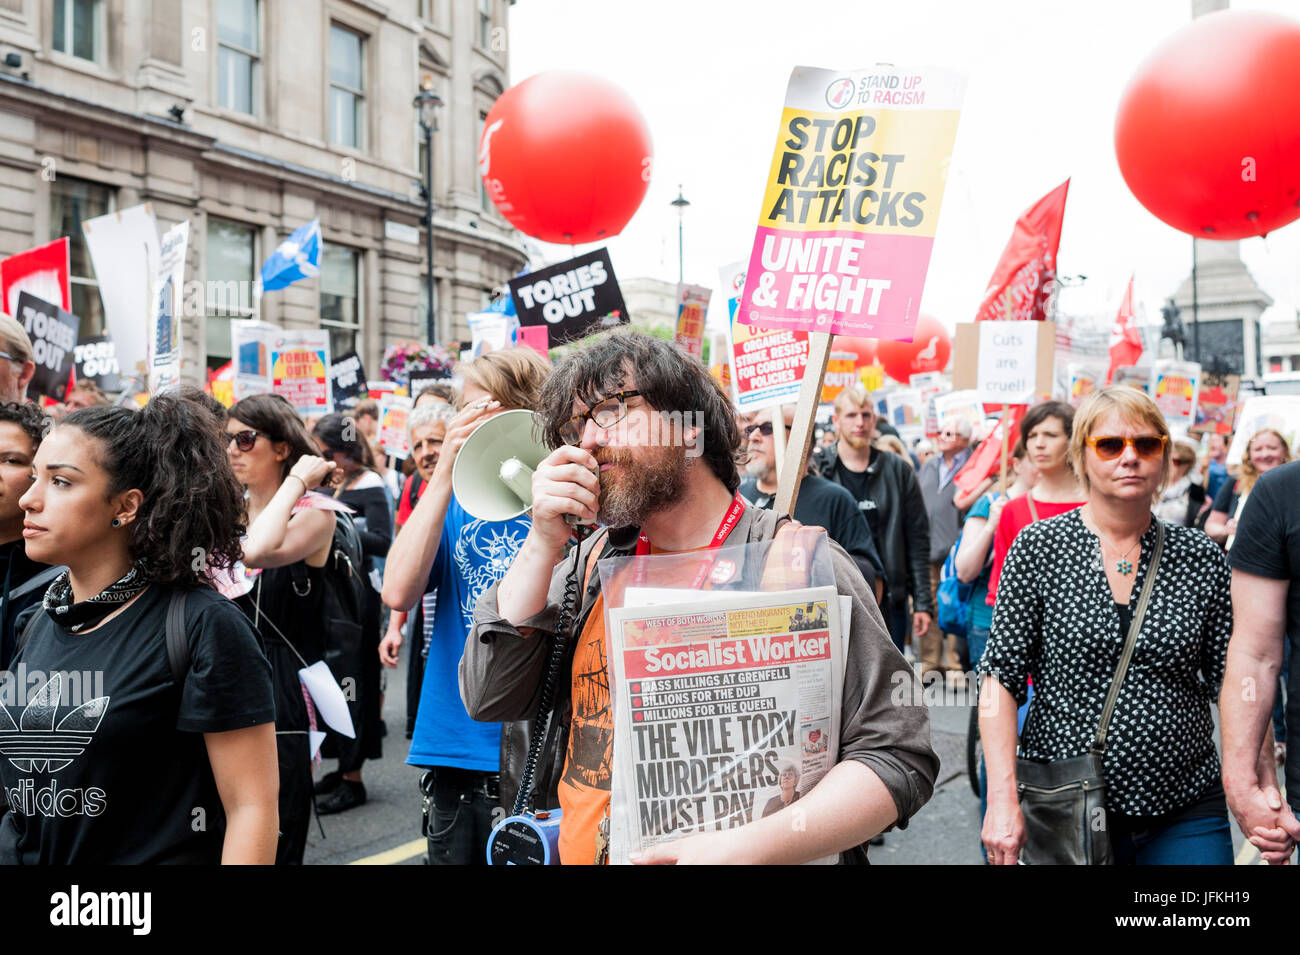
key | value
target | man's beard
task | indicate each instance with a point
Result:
(856, 443)
(756, 467)
(642, 483)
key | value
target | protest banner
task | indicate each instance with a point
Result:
(692, 306)
(418, 382)
(872, 377)
(299, 360)
(1216, 405)
(1135, 376)
(165, 330)
(54, 336)
(95, 359)
(718, 702)
(1174, 388)
(963, 404)
(221, 383)
(347, 380)
(124, 249)
(1082, 380)
(490, 331)
(931, 385)
(250, 344)
(906, 411)
(377, 389)
(44, 272)
(572, 299)
(839, 374)
(393, 413)
(852, 201)
(536, 337)
(766, 366)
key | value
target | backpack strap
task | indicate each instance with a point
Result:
(26, 632)
(178, 644)
(43, 579)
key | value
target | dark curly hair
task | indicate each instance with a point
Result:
(275, 418)
(171, 453)
(669, 380)
(28, 417)
(333, 431)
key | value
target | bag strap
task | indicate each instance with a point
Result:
(178, 644)
(1033, 511)
(40, 580)
(1099, 744)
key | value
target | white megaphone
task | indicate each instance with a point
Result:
(493, 474)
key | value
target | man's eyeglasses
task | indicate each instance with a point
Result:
(605, 413)
(244, 440)
(1147, 446)
(5, 354)
(765, 429)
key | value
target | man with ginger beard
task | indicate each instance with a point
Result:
(662, 437)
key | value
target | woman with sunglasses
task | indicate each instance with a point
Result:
(112, 759)
(290, 535)
(1069, 594)
(362, 489)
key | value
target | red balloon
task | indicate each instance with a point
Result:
(566, 157)
(1207, 134)
(927, 351)
(863, 348)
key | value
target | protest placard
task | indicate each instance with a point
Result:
(299, 360)
(43, 271)
(840, 374)
(124, 248)
(1082, 380)
(250, 344)
(766, 365)
(1216, 405)
(692, 306)
(418, 382)
(1281, 413)
(852, 201)
(573, 298)
(54, 336)
(1174, 388)
(964, 404)
(347, 380)
(393, 413)
(165, 317)
(95, 359)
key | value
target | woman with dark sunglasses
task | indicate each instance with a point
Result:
(1069, 598)
(120, 756)
(289, 540)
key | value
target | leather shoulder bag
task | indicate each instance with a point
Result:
(1064, 801)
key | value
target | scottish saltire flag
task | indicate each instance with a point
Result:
(297, 257)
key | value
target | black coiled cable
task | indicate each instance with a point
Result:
(524, 802)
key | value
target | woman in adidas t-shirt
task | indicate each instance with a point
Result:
(105, 757)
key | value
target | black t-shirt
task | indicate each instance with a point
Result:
(115, 769)
(1268, 545)
(858, 484)
(1225, 502)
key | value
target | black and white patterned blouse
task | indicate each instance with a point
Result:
(1056, 618)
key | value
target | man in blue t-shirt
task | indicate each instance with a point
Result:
(442, 546)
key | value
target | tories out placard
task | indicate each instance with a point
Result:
(852, 201)
(95, 359)
(347, 380)
(572, 299)
(54, 335)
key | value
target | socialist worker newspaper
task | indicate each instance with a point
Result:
(726, 710)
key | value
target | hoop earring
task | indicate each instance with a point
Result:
(116, 522)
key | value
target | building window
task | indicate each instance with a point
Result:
(237, 55)
(340, 298)
(231, 259)
(79, 28)
(72, 202)
(484, 24)
(347, 89)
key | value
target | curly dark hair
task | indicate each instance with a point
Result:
(275, 418)
(669, 380)
(28, 417)
(170, 451)
(333, 430)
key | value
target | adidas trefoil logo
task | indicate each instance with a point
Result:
(36, 743)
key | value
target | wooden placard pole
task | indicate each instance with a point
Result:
(801, 431)
(778, 439)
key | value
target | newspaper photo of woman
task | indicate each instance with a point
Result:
(789, 782)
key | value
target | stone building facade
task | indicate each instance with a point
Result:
(250, 118)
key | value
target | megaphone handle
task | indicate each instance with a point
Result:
(573, 520)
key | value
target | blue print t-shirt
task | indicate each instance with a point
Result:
(472, 556)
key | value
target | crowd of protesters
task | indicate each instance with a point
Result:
(201, 557)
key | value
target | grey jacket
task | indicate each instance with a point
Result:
(884, 723)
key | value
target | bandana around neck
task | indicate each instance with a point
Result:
(75, 617)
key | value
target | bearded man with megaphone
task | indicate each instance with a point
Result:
(599, 410)
(443, 546)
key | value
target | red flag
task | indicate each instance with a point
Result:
(987, 459)
(1027, 268)
(1125, 342)
(43, 271)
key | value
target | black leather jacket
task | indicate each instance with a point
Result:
(899, 523)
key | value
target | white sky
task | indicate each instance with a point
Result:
(1044, 79)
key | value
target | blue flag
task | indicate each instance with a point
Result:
(297, 257)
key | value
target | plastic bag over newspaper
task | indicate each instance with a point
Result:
(727, 671)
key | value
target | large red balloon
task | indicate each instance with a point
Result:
(566, 157)
(1208, 131)
(927, 351)
(863, 348)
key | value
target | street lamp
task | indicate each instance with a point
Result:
(427, 104)
(680, 204)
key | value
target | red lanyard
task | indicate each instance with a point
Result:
(728, 523)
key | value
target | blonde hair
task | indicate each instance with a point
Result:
(855, 396)
(893, 444)
(1249, 474)
(1133, 405)
(513, 376)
